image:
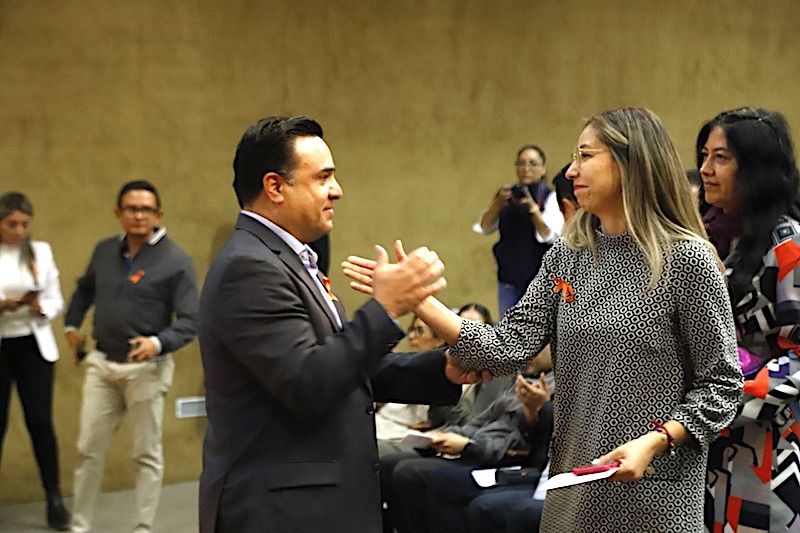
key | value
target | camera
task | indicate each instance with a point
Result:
(519, 191)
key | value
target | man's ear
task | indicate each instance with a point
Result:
(273, 184)
(570, 208)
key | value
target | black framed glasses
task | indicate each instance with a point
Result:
(131, 211)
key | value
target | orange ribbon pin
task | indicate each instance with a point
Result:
(327, 282)
(566, 290)
(136, 276)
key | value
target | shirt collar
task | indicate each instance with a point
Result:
(290, 240)
(157, 236)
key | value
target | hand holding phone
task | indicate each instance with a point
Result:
(593, 469)
(30, 297)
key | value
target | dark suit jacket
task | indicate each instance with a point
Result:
(290, 444)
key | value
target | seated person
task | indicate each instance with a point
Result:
(521, 420)
(503, 509)
(512, 508)
(476, 398)
(393, 420)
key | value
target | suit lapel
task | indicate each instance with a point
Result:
(289, 258)
(340, 310)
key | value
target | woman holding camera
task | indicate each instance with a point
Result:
(30, 297)
(528, 218)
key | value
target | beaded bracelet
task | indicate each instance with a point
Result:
(666, 435)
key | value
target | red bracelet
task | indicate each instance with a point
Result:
(661, 428)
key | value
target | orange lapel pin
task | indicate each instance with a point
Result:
(566, 290)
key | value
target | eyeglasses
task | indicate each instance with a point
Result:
(416, 330)
(580, 155)
(130, 211)
(523, 164)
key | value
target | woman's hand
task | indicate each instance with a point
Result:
(635, 456)
(502, 197)
(10, 304)
(36, 307)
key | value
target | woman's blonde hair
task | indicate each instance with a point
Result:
(657, 199)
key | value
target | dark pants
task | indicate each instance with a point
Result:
(459, 505)
(21, 361)
(505, 510)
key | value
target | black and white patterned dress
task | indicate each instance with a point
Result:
(623, 356)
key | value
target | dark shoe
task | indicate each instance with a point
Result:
(57, 515)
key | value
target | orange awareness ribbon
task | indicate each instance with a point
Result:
(566, 290)
(136, 276)
(327, 282)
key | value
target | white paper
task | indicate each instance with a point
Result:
(417, 439)
(541, 490)
(485, 477)
(568, 478)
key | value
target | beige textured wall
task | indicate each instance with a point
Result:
(423, 101)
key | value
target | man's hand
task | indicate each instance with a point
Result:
(400, 287)
(459, 376)
(363, 271)
(360, 270)
(75, 341)
(449, 443)
(142, 349)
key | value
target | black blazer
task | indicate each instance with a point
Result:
(290, 444)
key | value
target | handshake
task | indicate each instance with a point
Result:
(398, 287)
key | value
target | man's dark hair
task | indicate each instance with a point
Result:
(268, 146)
(138, 185)
(565, 189)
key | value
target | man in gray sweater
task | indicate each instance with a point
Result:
(144, 290)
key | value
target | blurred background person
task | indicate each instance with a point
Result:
(30, 297)
(516, 506)
(143, 289)
(510, 432)
(746, 159)
(393, 420)
(528, 219)
(695, 182)
(476, 397)
(565, 194)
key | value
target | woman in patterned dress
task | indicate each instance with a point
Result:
(633, 304)
(746, 159)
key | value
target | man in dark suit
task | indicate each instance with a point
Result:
(290, 383)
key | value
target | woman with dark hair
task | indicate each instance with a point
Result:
(30, 297)
(476, 311)
(746, 159)
(527, 217)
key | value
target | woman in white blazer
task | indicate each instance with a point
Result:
(30, 297)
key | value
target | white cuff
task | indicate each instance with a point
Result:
(155, 340)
